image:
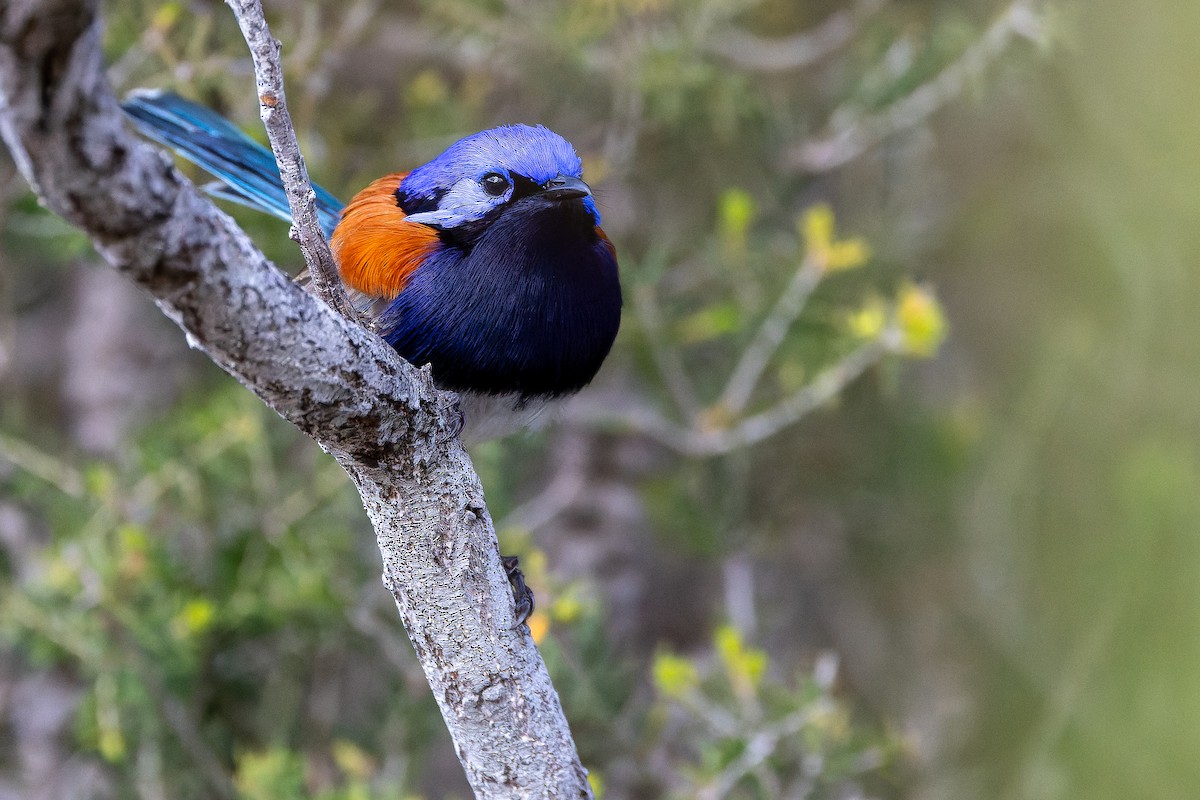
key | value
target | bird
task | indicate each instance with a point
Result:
(488, 263)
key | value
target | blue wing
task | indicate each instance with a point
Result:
(246, 169)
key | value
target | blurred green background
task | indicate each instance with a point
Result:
(972, 575)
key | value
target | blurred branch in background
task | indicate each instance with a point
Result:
(54, 471)
(706, 437)
(800, 50)
(852, 132)
(762, 348)
(666, 358)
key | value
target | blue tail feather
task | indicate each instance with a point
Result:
(246, 169)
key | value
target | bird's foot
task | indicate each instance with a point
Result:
(522, 594)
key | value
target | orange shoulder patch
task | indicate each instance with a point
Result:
(608, 245)
(376, 249)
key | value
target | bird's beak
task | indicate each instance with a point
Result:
(565, 187)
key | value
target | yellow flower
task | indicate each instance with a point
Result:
(921, 320)
(847, 254)
(744, 665)
(869, 322)
(674, 675)
(827, 252)
(193, 619)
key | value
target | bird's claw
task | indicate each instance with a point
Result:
(522, 594)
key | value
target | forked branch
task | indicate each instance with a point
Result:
(382, 419)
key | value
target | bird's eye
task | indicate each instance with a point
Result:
(494, 184)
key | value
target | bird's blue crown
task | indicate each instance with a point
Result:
(447, 191)
(535, 152)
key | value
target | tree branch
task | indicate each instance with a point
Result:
(758, 354)
(377, 415)
(800, 50)
(699, 441)
(826, 386)
(302, 200)
(857, 133)
(666, 358)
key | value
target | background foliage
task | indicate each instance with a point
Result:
(970, 576)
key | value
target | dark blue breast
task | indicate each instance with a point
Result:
(528, 303)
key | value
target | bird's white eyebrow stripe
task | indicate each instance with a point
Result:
(438, 217)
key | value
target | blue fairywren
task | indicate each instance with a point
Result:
(488, 263)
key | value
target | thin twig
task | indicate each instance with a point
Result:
(859, 133)
(302, 200)
(701, 443)
(38, 463)
(666, 358)
(355, 19)
(595, 409)
(751, 52)
(823, 388)
(545, 507)
(745, 376)
(758, 748)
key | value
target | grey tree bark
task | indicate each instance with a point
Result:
(381, 418)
